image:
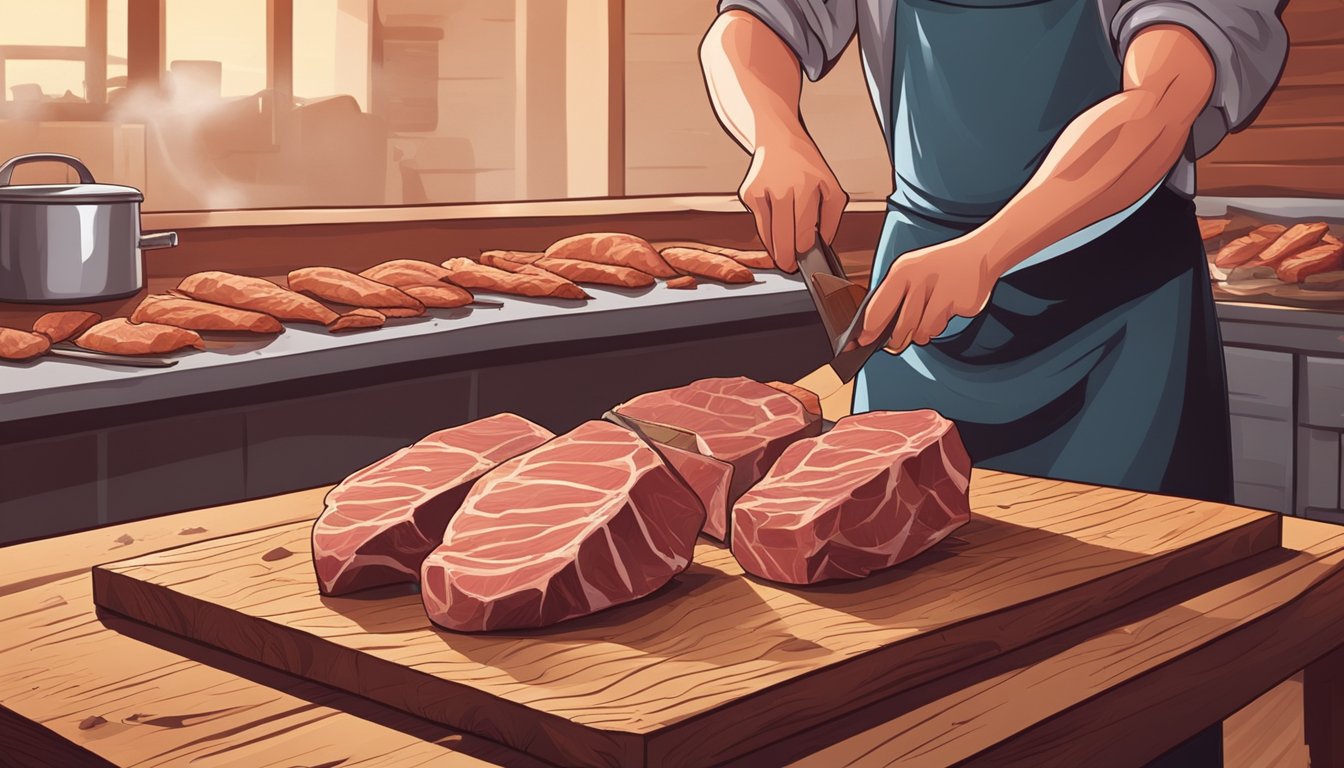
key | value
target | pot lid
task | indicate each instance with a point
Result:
(59, 194)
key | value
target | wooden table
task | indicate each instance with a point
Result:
(76, 688)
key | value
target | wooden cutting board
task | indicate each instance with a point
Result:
(716, 664)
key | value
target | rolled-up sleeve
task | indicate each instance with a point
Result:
(1248, 44)
(816, 30)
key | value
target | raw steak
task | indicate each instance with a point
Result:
(876, 490)
(506, 259)
(120, 336)
(1325, 257)
(1212, 228)
(381, 522)
(1247, 247)
(752, 259)
(528, 281)
(685, 282)
(256, 294)
(614, 248)
(22, 345)
(692, 261)
(440, 295)
(593, 273)
(63, 326)
(592, 519)
(406, 272)
(342, 287)
(202, 316)
(740, 422)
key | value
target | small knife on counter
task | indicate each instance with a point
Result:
(134, 361)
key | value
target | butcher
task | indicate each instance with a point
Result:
(1016, 128)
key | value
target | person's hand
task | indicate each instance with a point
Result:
(928, 287)
(793, 194)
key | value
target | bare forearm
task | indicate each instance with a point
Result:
(754, 80)
(1104, 161)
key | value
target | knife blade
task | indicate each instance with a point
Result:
(77, 353)
(835, 296)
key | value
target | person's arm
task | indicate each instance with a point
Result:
(1104, 161)
(754, 80)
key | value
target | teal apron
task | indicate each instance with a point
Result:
(1101, 365)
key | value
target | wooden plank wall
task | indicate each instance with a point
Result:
(1296, 145)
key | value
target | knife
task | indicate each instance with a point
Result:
(77, 353)
(841, 304)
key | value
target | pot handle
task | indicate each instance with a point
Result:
(7, 170)
(160, 240)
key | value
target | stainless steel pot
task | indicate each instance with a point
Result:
(62, 243)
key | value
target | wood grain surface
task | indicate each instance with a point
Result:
(77, 689)
(717, 664)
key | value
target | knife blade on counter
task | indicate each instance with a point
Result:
(139, 361)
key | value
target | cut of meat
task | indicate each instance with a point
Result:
(202, 316)
(1212, 228)
(614, 248)
(63, 326)
(507, 260)
(1298, 238)
(683, 283)
(440, 295)
(752, 259)
(120, 336)
(807, 397)
(1247, 247)
(22, 345)
(527, 281)
(401, 273)
(381, 522)
(342, 287)
(592, 519)
(256, 294)
(595, 274)
(357, 319)
(876, 490)
(705, 264)
(712, 482)
(1325, 257)
(738, 421)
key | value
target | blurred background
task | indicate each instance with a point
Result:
(209, 105)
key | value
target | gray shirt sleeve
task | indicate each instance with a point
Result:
(817, 30)
(1247, 41)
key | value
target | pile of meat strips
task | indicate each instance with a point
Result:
(221, 302)
(508, 526)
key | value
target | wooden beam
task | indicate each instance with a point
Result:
(95, 51)
(540, 154)
(145, 49)
(595, 97)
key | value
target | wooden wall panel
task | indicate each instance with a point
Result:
(1295, 147)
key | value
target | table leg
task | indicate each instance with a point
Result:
(1323, 709)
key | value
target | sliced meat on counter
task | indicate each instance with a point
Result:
(692, 261)
(684, 282)
(1297, 239)
(736, 420)
(752, 259)
(528, 281)
(381, 522)
(593, 273)
(1212, 228)
(590, 520)
(357, 319)
(120, 336)
(342, 287)
(202, 316)
(402, 273)
(256, 294)
(1247, 247)
(22, 345)
(1325, 257)
(615, 248)
(876, 490)
(440, 295)
(63, 326)
(506, 259)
